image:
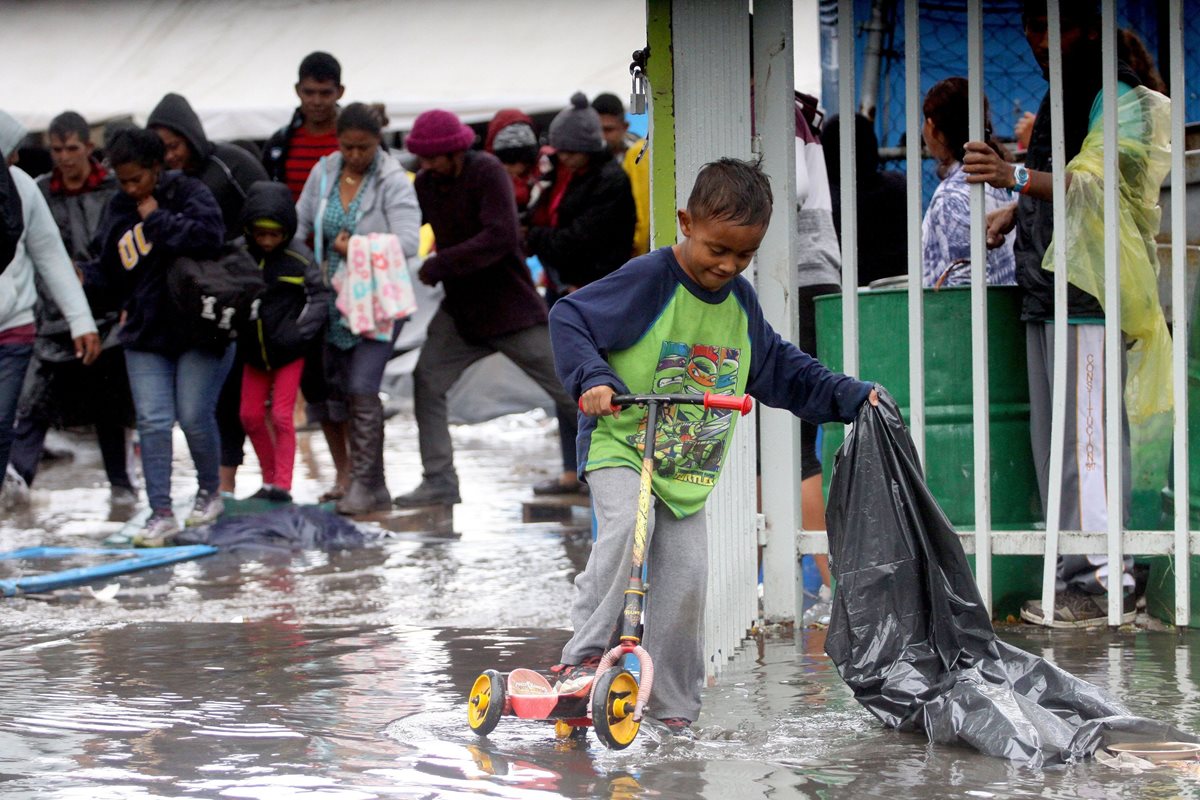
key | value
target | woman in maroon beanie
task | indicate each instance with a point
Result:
(490, 304)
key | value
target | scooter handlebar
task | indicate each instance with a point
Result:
(740, 403)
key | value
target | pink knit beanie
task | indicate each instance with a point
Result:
(438, 132)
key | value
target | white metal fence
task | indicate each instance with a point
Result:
(710, 40)
(985, 542)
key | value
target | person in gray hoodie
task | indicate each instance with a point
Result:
(228, 171)
(39, 252)
(360, 189)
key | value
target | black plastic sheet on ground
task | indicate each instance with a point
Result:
(909, 633)
(287, 529)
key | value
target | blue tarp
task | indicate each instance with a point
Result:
(131, 560)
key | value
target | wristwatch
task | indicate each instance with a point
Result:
(1020, 178)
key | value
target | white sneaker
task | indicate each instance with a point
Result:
(14, 492)
(206, 509)
(159, 528)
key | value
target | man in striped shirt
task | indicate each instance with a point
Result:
(293, 149)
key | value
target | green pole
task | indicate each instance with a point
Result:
(660, 71)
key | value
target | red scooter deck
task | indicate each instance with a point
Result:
(532, 696)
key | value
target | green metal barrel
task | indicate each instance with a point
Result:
(949, 430)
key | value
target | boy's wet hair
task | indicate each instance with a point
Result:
(731, 190)
(136, 146)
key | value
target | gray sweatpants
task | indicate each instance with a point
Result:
(676, 586)
(444, 357)
(1084, 499)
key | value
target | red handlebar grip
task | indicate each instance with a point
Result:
(743, 404)
(580, 404)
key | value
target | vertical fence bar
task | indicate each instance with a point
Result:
(710, 47)
(1114, 351)
(1179, 316)
(1058, 391)
(916, 309)
(849, 187)
(979, 331)
(776, 277)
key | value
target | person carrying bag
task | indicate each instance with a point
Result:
(358, 191)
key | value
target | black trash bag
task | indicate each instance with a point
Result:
(284, 530)
(909, 633)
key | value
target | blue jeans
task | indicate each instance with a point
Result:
(14, 361)
(183, 388)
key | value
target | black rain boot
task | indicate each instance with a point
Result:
(368, 489)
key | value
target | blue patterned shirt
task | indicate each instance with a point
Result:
(946, 234)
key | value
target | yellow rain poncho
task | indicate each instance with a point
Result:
(1144, 158)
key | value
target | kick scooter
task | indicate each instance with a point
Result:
(613, 701)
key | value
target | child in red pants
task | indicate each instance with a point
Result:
(290, 314)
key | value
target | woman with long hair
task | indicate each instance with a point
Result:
(360, 189)
(946, 229)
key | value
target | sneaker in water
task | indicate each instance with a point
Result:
(206, 509)
(1078, 609)
(278, 495)
(678, 726)
(161, 526)
(572, 678)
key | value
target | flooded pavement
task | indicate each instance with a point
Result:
(344, 675)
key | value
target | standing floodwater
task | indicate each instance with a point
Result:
(344, 675)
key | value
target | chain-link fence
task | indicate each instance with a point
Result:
(1013, 81)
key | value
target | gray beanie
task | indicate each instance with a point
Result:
(11, 134)
(514, 136)
(577, 129)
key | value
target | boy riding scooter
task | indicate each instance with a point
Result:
(679, 320)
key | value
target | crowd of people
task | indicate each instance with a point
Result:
(91, 337)
(91, 307)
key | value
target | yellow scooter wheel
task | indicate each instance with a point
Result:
(613, 699)
(485, 705)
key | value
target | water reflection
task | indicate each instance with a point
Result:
(344, 674)
(270, 708)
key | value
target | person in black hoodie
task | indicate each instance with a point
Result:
(290, 315)
(581, 228)
(228, 171)
(158, 216)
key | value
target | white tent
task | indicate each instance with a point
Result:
(236, 60)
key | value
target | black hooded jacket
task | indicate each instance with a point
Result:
(596, 217)
(275, 151)
(136, 254)
(226, 169)
(296, 302)
(12, 222)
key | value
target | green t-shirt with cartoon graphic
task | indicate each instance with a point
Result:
(649, 328)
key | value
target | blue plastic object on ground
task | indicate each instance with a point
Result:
(132, 560)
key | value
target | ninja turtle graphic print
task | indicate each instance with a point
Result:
(691, 439)
(693, 347)
(649, 328)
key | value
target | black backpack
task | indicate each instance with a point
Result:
(12, 223)
(215, 297)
